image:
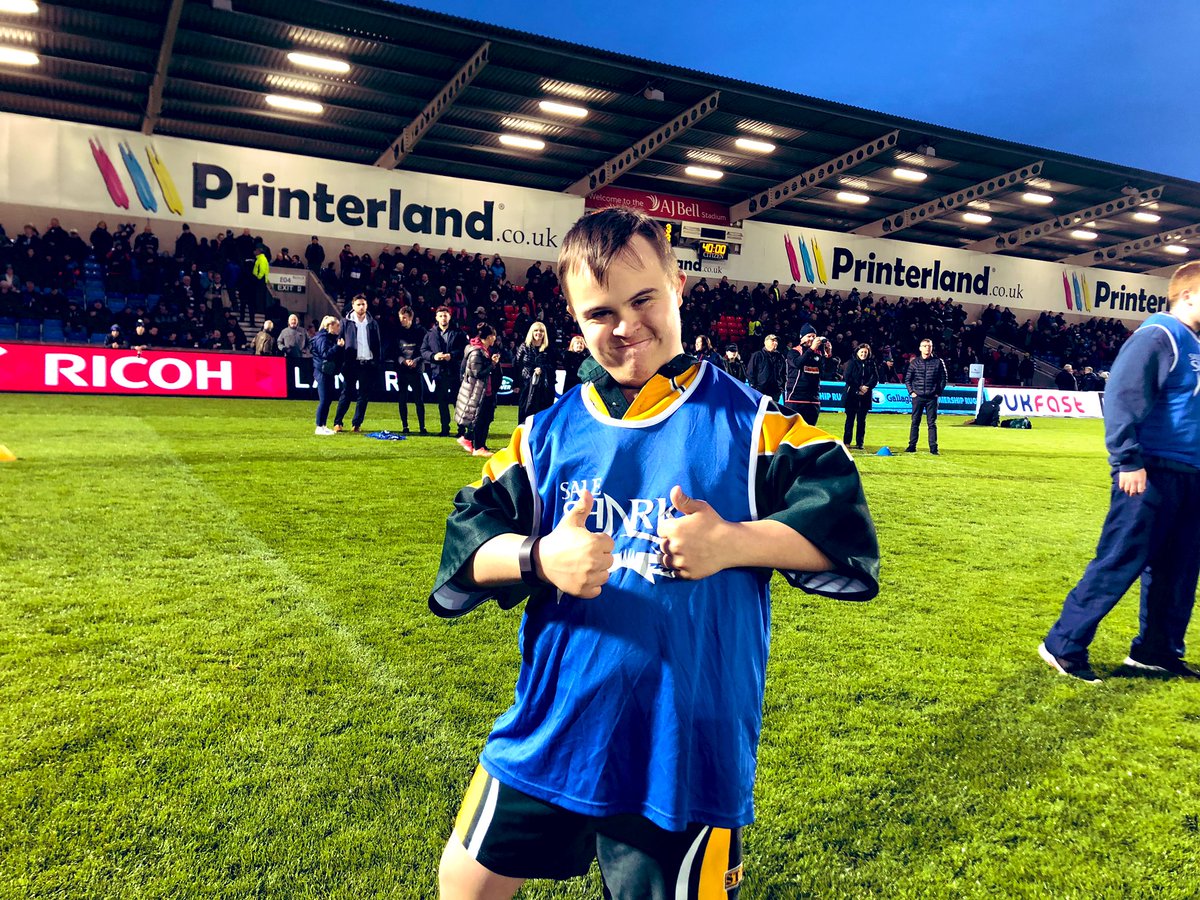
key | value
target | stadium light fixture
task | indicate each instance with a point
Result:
(976, 218)
(1037, 199)
(852, 197)
(562, 109)
(19, 7)
(320, 63)
(1147, 216)
(705, 173)
(909, 174)
(754, 146)
(1082, 234)
(1176, 249)
(294, 104)
(11, 56)
(522, 142)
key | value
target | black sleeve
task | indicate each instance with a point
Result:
(429, 347)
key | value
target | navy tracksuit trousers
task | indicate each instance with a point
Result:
(1153, 535)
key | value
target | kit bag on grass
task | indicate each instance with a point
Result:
(989, 412)
(1016, 423)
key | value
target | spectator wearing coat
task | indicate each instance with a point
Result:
(264, 341)
(766, 368)
(360, 331)
(476, 403)
(293, 341)
(925, 379)
(1065, 380)
(861, 378)
(328, 354)
(705, 352)
(409, 367)
(442, 350)
(573, 358)
(733, 363)
(535, 368)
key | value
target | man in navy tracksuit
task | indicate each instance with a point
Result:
(1152, 431)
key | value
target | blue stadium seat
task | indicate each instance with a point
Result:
(97, 338)
(8, 330)
(76, 336)
(116, 304)
(52, 330)
(29, 330)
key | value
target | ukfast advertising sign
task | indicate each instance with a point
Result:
(960, 400)
(74, 369)
(1048, 403)
(826, 259)
(114, 174)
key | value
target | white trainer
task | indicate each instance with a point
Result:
(322, 430)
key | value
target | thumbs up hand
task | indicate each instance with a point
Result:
(694, 544)
(573, 559)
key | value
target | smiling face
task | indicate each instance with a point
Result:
(631, 323)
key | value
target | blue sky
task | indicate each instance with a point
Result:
(1113, 81)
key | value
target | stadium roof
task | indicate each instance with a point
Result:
(437, 92)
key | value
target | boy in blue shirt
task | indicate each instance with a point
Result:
(1152, 431)
(641, 515)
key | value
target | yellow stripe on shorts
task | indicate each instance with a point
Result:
(714, 866)
(470, 805)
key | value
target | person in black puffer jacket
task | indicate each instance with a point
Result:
(861, 378)
(925, 379)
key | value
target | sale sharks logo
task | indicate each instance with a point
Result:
(633, 526)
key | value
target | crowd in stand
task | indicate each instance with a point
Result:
(200, 291)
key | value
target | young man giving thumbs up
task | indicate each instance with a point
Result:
(641, 515)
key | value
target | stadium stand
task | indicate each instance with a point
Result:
(72, 290)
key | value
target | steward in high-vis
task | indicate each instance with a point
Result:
(641, 515)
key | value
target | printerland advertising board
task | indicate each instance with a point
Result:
(822, 260)
(126, 176)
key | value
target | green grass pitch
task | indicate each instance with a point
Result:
(219, 677)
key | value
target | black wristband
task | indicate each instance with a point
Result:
(525, 560)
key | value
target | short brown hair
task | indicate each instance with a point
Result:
(598, 238)
(1186, 278)
(406, 311)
